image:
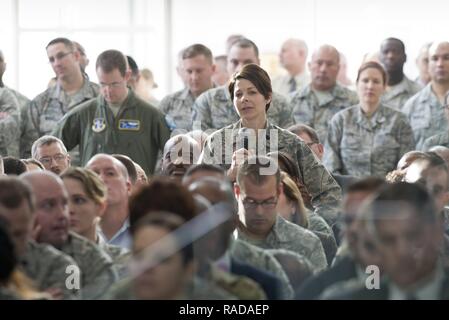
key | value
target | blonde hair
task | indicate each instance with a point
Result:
(91, 182)
(292, 193)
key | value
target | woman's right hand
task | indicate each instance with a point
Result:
(238, 157)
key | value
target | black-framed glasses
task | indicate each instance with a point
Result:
(57, 157)
(251, 204)
(59, 56)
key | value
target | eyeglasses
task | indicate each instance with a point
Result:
(57, 157)
(59, 56)
(251, 204)
(112, 85)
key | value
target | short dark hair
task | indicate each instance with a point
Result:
(245, 43)
(257, 76)
(13, 165)
(370, 184)
(373, 65)
(112, 59)
(204, 167)
(196, 50)
(401, 43)
(129, 165)
(391, 199)
(303, 128)
(253, 167)
(161, 194)
(171, 222)
(68, 43)
(133, 65)
(13, 191)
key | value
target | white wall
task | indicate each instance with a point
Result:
(138, 28)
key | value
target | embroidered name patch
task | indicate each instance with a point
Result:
(132, 125)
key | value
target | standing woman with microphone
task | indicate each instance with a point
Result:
(251, 92)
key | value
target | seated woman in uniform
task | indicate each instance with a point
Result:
(367, 139)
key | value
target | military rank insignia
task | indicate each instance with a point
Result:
(99, 124)
(129, 125)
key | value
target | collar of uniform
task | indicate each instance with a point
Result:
(402, 87)
(86, 92)
(185, 94)
(377, 118)
(427, 96)
(336, 92)
(238, 125)
(130, 101)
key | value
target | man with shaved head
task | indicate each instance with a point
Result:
(323, 97)
(400, 88)
(180, 153)
(425, 110)
(293, 58)
(52, 221)
(114, 223)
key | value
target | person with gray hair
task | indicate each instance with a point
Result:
(52, 153)
(293, 57)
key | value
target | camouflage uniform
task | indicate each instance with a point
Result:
(197, 289)
(97, 272)
(47, 266)
(119, 255)
(289, 236)
(325, 192)
(426, 115)
(361, 146)
(24, 103)
(241, 287)
(307, 109)
(177, 108)
(397, 96)
(441, 139)
(9, 124)
(261, 259)
(45, 111)
(214, 110)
